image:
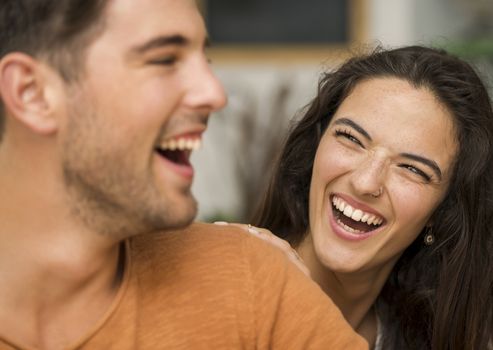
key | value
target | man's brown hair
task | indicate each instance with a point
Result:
(56, 31)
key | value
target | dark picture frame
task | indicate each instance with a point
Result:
(288, 30)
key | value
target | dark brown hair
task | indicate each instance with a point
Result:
(56, 30)
(437, 297)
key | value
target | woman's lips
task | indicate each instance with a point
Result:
(353, 223)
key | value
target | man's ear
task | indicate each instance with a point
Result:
(24, 83)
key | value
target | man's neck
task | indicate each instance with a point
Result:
(57, 279)
(52, 295)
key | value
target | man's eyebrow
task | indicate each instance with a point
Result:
(354, 125)
(160, 41)
(430, 163)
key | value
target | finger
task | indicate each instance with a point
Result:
(246, 227)
(221, 223)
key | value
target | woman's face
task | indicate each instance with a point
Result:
(381, 169)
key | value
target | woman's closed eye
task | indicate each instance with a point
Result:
(416, 171)
(349, 136)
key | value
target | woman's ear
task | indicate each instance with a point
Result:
(24, 82)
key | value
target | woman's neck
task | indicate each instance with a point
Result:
(353, 292)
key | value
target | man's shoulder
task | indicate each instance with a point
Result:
(209, 273)
(215, 249)
(212, 256)
(198, 239)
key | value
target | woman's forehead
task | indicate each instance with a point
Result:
(398, 115)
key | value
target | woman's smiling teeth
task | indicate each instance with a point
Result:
(354, 220)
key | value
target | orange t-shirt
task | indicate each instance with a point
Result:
(216, 287)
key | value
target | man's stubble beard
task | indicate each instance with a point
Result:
(106, 192)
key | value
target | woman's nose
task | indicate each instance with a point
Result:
(368, 178)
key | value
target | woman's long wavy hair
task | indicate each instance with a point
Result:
(437, 297)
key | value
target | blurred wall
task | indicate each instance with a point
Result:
(235, 158)
(403, 22)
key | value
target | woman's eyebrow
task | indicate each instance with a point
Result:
(354, 125)
(428, 162)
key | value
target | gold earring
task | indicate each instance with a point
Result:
(429, 238)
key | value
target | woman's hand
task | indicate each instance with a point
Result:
(268, 236)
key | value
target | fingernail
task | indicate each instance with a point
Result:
(254, 231)
(220, 223)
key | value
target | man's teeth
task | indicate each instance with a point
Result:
(181, 144)
(356, 214)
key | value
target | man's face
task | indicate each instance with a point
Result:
(146, 90)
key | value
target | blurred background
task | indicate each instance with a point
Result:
(269, 55)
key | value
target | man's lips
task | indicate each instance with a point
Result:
(176, 151)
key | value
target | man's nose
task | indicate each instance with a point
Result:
(205, 91)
